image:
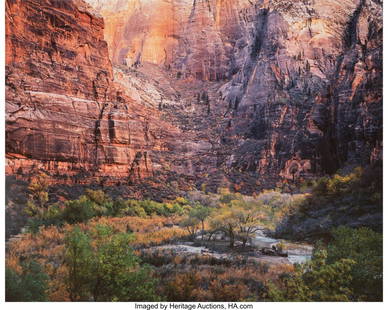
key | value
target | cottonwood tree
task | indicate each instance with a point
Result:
(249, 217)
(248, 223)
(238, 219)
(225, 221)
(200, 213)
(191, 224)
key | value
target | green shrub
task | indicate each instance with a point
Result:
(317, 280)
(108, 270)
(181, 201)
(80, 210)
(134, 208)
(226, 196)
(79, 260)
(116, 208)
(97, 196)
(338, 185)
(337, 200)
(365, 247)
(29, 285)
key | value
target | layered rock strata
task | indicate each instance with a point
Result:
(65, 115)
(264, 92)
(296, 86)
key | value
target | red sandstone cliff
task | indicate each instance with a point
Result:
(291, 89)
(263, 91)
(64, 114)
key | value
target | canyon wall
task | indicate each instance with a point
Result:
(308, 98)
(189, 38)
(298, 89)
(264, 93)
(64, 113)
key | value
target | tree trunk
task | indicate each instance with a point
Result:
(231, 236)
(210, 236)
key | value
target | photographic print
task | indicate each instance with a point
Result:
(193, 150)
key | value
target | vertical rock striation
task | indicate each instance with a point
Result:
(299, 82)
(264, 92)
(65, 114)
(308, 98)
(190, 38)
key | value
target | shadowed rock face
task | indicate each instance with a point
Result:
(64, 113)
(308, 99)
(264, 92)
(295, 86)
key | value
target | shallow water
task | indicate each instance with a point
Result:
(297, 253)
(265, 239)
(298, 259)
(188, 249)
